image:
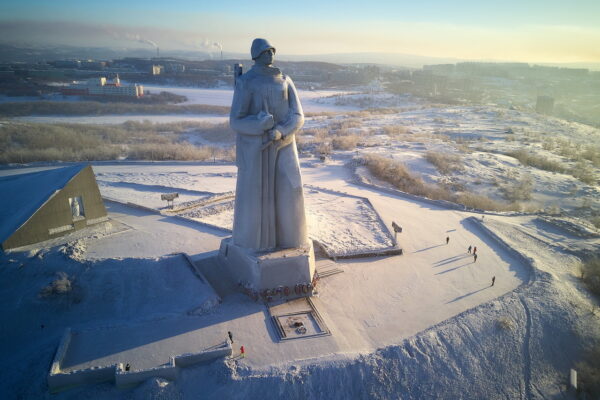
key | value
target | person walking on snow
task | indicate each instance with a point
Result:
(475, 250)
(493, 280)
(242, 352)
(469, 249)
(474, 257)
(230, 336)
(447, 239)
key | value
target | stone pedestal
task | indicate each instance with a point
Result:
(272, 271)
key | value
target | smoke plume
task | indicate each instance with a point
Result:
(140, 39)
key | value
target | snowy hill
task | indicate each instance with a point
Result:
(426, 324)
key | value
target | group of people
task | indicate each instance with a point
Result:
(472, 250)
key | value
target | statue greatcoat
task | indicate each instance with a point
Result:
(269, 204)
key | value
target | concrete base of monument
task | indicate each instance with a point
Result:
(280, 273)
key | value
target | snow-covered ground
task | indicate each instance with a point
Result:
(422, 325)
(479, 137)
(343, 224)
(312, 100)
(51, 97)
(119, 119)
(217, 97)
(426, 324)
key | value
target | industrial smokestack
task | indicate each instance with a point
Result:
(220, 47)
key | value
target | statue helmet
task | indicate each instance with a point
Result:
(258, 46)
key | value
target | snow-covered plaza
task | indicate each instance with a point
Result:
(131, 308)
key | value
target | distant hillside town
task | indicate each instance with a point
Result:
(570, 93)
(102, 87)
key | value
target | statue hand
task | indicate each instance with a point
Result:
(275, 134)
(266, 120)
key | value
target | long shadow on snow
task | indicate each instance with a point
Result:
(467, 295)
(167, 323)
(450, 260)
(113, 207)
(452, 269)
(545, 229)
(514, 264)
(128, 337)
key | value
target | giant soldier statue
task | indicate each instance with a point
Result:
(269, 227)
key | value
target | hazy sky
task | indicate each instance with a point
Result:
(511, 30)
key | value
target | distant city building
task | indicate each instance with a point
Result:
(157, 69)
(78, 64)
(175, 68)
(102, 87)
(66, 64)
(574, 72)
(544, 105)
(94, 65)
(444, 69)
(45, 73)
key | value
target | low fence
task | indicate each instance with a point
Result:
(124, 378)
(60, 380)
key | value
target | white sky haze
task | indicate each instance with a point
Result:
(532, 31)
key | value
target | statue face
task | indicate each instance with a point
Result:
(266, 57)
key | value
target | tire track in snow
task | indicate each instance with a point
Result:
(526, 352)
